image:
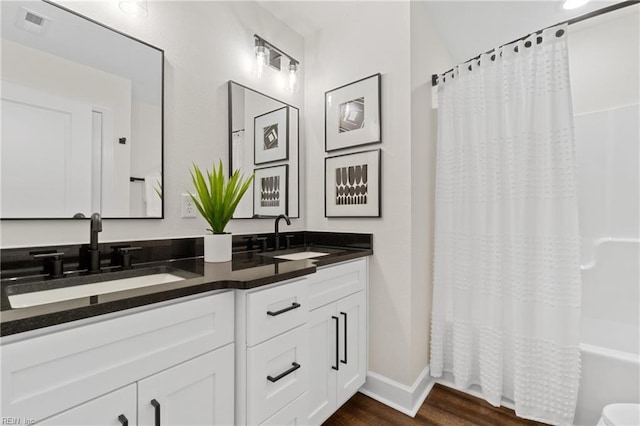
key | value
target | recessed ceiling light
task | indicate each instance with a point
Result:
(574, 4)
(134, 8)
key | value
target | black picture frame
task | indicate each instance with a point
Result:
(277, 121)
(262, 175)
(353, 114)
(352, 185)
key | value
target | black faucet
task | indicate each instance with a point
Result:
(90, 254)
(286, 218)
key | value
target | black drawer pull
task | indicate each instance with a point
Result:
(337, 366)
(286, 373)
(156, 406)
(123, 420)
(293, 306)
(345, 338)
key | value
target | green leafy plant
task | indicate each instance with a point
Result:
(158, 186)
(216, 198)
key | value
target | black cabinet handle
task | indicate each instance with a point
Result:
(286, 373)
(337, 366)
(282, 311)
(123, 420)
(345, 338)
(156, 406)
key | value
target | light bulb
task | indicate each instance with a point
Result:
(293, 76)
(262, 57)
(574, 4)
(134, 8)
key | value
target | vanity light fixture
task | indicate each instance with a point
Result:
(574, 4)
(267, 54)
(134, 8)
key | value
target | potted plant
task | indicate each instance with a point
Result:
(216, 201)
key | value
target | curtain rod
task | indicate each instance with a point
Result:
(613, 7)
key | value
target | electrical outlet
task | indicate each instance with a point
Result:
(188, 206)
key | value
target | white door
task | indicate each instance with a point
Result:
(196, 392)
(46, 154)
(323, 361)
(352, 345)
(117, 408)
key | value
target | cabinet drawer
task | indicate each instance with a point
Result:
(47, 374)
(278, 309)
(108, 410)
(293, 414)
(337, 281)
(269, 387)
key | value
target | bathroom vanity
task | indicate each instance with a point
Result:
(260, 340)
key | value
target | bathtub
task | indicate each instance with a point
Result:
(610, 329)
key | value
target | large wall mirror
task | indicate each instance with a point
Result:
(263, 139)
(82, 108)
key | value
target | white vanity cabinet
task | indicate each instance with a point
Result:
(175, 361)
(337, 336)
(272, 353)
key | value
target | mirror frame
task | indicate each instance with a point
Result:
(230, 119)
(162, 180)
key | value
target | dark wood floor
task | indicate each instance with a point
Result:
(443, 406)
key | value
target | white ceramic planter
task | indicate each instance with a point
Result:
(217, 248)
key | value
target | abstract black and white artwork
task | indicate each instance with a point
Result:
(270, 190)
(271, 136)
(352, 185)
(352, 114)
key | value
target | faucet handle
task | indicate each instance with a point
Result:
(121, 256)
(288, 239)
(53, 264)
(263, 241)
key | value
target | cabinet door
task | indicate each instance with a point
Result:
(352, 345)
(323, 359)
(196, 392)
(113, 409)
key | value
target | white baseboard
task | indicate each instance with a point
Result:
(406, 399)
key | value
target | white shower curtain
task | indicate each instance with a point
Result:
(506, 300)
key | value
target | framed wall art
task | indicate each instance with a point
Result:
(352, 185)
(352, 114)
(270, 191)
(271, 136)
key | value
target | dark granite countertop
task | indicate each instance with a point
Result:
(247, 270)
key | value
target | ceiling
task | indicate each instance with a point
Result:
(467, 27)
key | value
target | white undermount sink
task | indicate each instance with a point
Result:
(35, 298)
(300, 255)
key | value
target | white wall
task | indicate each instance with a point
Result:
(206, 44)
(429, 55)
(604, 58)
(395, 39)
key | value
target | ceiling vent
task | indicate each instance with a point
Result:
(31, 21)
